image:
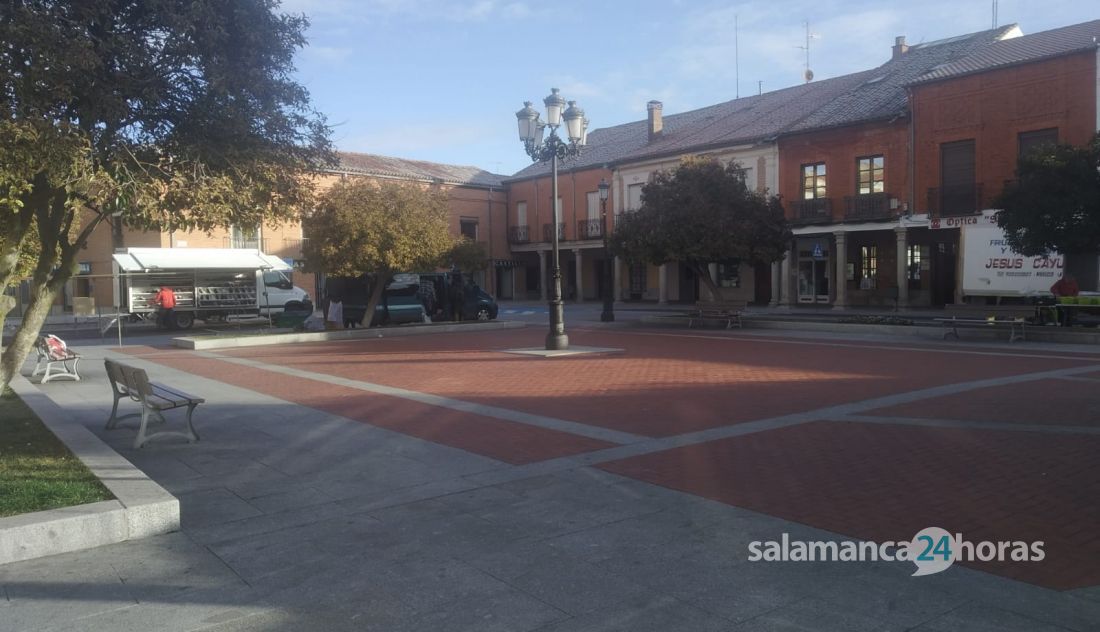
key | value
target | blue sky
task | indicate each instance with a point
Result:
(441, 80)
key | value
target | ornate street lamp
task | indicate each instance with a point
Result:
(554, 149)
(608, 313)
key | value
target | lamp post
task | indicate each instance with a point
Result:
(552, 150)
(608, 313)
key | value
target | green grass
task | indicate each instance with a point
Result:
(37, 471)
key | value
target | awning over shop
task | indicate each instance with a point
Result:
(154, 259)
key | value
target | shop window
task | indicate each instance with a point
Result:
(869, 266)
(729, 273)
(915, 258)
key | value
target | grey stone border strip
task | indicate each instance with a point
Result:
(225, 342)
(141, 507)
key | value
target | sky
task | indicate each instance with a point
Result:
(441, 80)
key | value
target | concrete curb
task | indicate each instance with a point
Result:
(224, 342)
(141, 507)
(919, 330)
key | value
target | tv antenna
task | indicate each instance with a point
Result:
(736, 62)
(807, 74)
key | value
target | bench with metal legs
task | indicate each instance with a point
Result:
(127, 381)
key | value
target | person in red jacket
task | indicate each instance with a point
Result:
(165, 301)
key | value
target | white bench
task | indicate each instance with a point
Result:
(132, 382)
(53, 360)
(728, 311)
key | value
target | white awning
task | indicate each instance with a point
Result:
(157, 259)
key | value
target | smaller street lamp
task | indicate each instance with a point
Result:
(608, 313)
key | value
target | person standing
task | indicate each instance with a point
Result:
(165, 301)
(1065, 286)
(457, 297)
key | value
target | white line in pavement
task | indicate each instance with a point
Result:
(970, 424)
(550, 423)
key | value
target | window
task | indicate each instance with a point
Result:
(521, 213)
(869, 175)
(869, 261)
(593, 205)
(244, 237)
(813, 181)
(1030, 141)
(468, 228)
(750, 178)
(959, 193)
(634, 197)
(915, 259)
(729, 273)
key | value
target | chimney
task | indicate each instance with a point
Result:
(900, 47)
(655, 122)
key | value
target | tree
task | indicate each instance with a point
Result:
(166, 115)
(469, 256)
(361, 227)
(1054, 203)
(700, 213)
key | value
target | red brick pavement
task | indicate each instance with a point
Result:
(1053, 401)
(885, 482)
(662, 385)
(505, 441)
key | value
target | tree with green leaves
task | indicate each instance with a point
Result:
(1053, 205)
(362, 227)
(700, 213)
(469, 256)
(166, 115)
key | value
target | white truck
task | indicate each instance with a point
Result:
(210, 284)
(992, 268)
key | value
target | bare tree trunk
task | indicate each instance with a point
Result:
(377, 287)
(22, 342)
(702, 271)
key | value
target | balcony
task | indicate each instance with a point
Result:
(241, 242)
(519, 235)
(548, 236)
(868, 206)
(590, 229)
(292, 245)
(955, 200)
(815, 211)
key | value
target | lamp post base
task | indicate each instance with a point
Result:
(557, 342)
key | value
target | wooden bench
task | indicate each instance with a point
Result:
(132, 382)
(54, 358)
(1013, 317)
(728, 311)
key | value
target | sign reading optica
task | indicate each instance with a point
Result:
(992, 268)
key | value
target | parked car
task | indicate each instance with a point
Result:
(399, 303)
(481, 305)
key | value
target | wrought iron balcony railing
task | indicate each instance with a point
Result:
(955, 200)
(548, 236)
(589, 229)
(868, 206)
(241, 242)
(519, 235)
(814, 211)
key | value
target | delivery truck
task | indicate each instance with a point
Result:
(210, 284)
(992, 269)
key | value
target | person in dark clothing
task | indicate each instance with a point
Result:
(457, 298)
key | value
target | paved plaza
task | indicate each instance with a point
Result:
(437, 483)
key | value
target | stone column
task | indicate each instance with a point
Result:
(785, 279)
(542, 274)
(580, 274)
(662, 284)
(903, 266)
(840, 277)
(617, 282)
(777, 271)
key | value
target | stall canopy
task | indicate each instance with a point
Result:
(154, 259)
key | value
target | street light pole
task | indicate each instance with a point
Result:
(608, 313)
(552, 150)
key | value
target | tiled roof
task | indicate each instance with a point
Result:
(882, 95)
(1052, 43)
(386, 166)
(863, 96)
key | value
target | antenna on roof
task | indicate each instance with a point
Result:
(759, 88)
(994, 13)
(807, 73)
(736, 63)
